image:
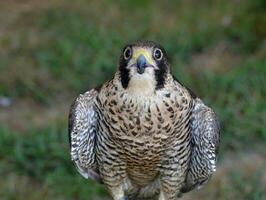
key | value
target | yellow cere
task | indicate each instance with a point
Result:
(146, 53)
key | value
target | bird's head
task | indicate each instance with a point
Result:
(143, 67)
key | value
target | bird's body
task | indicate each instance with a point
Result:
(142, 130)
(135, 134)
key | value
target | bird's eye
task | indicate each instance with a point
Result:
(127, 53)
(158, 54)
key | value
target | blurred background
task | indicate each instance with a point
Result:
(50, 51)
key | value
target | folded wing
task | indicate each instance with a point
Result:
(205, 134)
(82, 134)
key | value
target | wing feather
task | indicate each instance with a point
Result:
(82, 134)
(205, 139)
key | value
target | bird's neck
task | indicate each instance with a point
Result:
(142, 85)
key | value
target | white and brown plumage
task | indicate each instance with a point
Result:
(143, 134)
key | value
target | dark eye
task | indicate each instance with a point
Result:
(158, 54)
(127, 53)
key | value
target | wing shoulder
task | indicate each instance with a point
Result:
(205, 126)
(82, 134)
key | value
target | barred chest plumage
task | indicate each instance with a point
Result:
(140, 130)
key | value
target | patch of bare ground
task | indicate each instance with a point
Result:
(12, 10)
(218, 58)
(23, 114)
(11, 13)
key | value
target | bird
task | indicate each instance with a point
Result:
(143, 134)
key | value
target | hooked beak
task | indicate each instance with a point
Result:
(141, 64)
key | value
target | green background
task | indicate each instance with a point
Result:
(50, 51)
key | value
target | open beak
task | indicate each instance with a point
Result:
(141, 64)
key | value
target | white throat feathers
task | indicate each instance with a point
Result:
(142, 85)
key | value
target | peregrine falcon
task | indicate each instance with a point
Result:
(143, 134)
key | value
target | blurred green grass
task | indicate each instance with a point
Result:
(50, 52)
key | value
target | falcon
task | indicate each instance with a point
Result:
(143, 134)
